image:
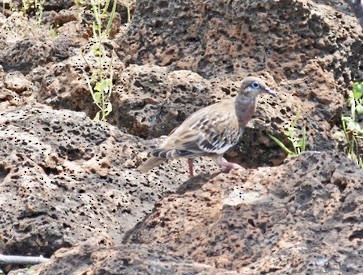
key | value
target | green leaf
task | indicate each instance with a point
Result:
(96, 97)
(93, 77)
(346, 118)
(106, 85)
(288, 131)
(359, 109)
(98, 87)
(282, 146)
(357, 90)
(353, 126)
(108, 108)
(97, 116)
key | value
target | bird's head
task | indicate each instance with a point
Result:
(253, 86)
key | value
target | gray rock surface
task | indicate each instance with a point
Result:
(302, 217)
(68, 185)
(122, 259)
(67, 179)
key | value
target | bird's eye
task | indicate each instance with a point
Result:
(255, 85)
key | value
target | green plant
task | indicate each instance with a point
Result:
(26, 5)
(79, 4)
(99, 9)
(101, 94)
(53, 31)
(128, 5)
(297, 138)
(101, 82)
(353, 132)
(37, 5)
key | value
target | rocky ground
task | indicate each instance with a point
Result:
(69, 189)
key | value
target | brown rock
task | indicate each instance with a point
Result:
(25, 55)
(297, 46)
(17, 82)
(301, 217)
(65, 179)
(220, 38)
(125, 259)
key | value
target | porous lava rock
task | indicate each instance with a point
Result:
(123, 259)
(69, 183)
(282, 38)
(178, 56)
(65, 179)
(297, 46)
(304, 216)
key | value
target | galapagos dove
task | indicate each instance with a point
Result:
(212, 130)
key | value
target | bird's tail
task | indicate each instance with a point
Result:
(150, 163)
(158, 156)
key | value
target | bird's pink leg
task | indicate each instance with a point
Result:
(190, 164)
(226, 165)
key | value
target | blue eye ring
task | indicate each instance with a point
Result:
(255, 85)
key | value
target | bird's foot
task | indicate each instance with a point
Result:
(190, 166)
(228, 166)
(225, 165)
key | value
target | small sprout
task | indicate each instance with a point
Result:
(292, 133)
(353, 131)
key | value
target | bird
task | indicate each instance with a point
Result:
(212, 130)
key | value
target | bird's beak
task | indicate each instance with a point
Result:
(269, 91)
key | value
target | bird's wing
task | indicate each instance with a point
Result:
(211, 131)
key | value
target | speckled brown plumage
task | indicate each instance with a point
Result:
(212, 130)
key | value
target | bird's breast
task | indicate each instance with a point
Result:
(245, 112)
